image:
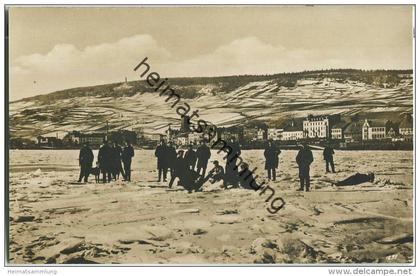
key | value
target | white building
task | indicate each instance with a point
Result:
(72, 137)
(261, 134)
(316, 127)
(181, 140)
(152, 136)
(337, 130)
(406, 131)
(292, 135)
(274, 134)
(406, 126)
(374, 129)
(195, 137)
(292, 132)
(92, 138)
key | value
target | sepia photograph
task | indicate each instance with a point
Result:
(210, 135)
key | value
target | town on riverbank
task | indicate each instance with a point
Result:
(342, 132)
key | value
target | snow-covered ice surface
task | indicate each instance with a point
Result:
(53, 220)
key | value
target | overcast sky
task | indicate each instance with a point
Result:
(58, 48)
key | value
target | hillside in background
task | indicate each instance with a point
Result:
(224, 101)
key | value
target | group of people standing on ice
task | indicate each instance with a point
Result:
(190, 166)
(112, 160)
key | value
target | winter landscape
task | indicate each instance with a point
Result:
(224, 101)
(323, 84)
(54, 219)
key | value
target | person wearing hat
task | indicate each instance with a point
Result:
(329, 159)
(85, 161)
(161, 154)
(190, 157)
(116, 161)
(271, 154)
(179, 168)
(215, 174)
(105, 161)
(203, 156)
(170, 156)
(304, 159)
(126, 156)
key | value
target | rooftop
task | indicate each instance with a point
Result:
(377, 122)
(341, 124)
(407, 122)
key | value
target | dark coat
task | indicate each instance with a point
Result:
(190, 157)
(217, 170)
(116, 154)
(180, 166)
(247, 179)
(232, 158)
(328, 153)
(86, 156)
(271, 155)
(171, 156)
(356, 179)
(105, 156)
(187, 178)
(116, 158)
(203, 156)
(236, 149)
(127, 153)
(161, 153)
(304, 158)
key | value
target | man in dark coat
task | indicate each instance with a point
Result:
(190, 157)
(304, 159)
(161, 154)
(105, 156)
(203, 156)
(116, 161)
(126, 156)
(271, 154)
(231, 169)
(171, 156)
(328, 157)
(85, 162)
(179, 167)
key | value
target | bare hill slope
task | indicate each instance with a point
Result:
(222, 100)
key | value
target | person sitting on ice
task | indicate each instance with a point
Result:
(356, 179)
(215, 174)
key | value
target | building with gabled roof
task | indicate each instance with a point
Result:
(376, 129)
(406, 126)
(337, 130)
(292, 132)
(353, 131)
